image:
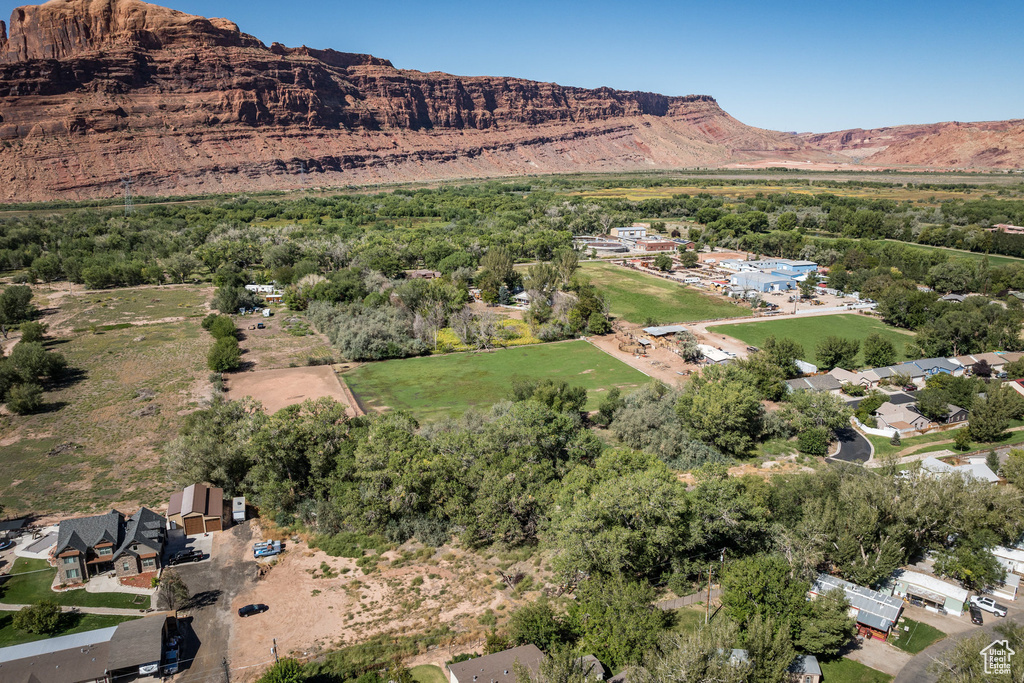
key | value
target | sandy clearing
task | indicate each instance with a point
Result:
(277, 389)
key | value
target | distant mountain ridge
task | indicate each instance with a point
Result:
(94, 90)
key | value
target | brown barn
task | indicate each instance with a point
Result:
(198, 509)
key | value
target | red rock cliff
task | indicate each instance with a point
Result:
(91, 89)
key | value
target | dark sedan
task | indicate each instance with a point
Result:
(250, 610)
(976, 615)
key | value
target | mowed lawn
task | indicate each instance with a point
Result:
(849, 671)
(435, 387)
(30, 582)
(635, 297)
(70, 623)
(812, 329)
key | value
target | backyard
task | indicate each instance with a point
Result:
(913, 636)
(812, 329)
(849, 671)
(30, 582)
(443, 386)
(637, 297)
(70, 623)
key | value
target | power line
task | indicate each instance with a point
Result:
(129, 204)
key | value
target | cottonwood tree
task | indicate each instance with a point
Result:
(43, 617)
(878, 351)
(174, 592)
(704, 655)
(836, 352)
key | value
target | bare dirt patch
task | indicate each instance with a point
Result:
(277, 389)
(412, 590)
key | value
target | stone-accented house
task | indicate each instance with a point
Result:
(88, 546)
(498, 667)
(199, 509)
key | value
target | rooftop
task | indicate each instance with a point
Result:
(664, 330)
(83, 533)
(930, 583)
(875, 609)
(498, 668)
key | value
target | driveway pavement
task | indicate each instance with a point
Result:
(853, 447)
(208, 623)
(916, 670)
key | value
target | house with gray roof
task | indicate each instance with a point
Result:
(87, 546)
(804, 669)
(815, 383)
(876, 613)
(762, 282)
(933, 366)
(498, 667)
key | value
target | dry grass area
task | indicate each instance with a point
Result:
(287, 341)
(137, 360)
(411, 589)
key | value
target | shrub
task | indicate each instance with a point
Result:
(23, 399)
(32, 332)
(813, 441)
(222, 327)
(225, 355)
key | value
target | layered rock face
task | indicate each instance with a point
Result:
(987, 144)
(93, 90)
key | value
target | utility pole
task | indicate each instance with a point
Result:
(273, 651)
(707, 606)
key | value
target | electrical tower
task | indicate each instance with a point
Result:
(302, 172)
(129, 206)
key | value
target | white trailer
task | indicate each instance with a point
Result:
(238, 509)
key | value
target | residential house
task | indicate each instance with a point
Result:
(99, 656)
(934, 366)
(914, 372)
(805, 669)
(762, 282)
(88, 546)
(955, 415)
(1011, 558)
(902, 418)
(1016, 384)
(975, 468)
(953, 298)
(876, 613)
(199, 509)
(815, 383)
(847, 377)
(498, 667)
(592, 668)
(929, 592)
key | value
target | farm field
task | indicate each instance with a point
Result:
(436, 387)
(812, 329)
(635, 297)
(741, 191)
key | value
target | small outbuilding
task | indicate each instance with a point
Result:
(238, 509)
(929, 592)
(805, 669)
(199, 509)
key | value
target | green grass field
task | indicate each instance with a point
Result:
(812, 329)
(849, 671)
(917, 638)
(441, 386)
(30, 582)
(427, 673)
(72, 623)
(636, 297)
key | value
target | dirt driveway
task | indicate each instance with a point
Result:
(276, 389)
(215, 584)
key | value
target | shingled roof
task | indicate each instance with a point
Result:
(146, 527)
(87, 532)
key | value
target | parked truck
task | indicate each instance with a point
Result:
(266, 549)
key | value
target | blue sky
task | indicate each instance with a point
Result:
(797, 65)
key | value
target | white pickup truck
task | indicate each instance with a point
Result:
(989, 605)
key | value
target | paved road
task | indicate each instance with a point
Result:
(853, 447)
(916, 671)
(214, 584)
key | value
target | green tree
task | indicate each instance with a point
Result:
(808, 288)
(284, 671)
(895, 439)
(878, 351)
(971, 562)
(828, 627)
(836, 352)
(23, 399)
(33, 332)
(814, 441)
(225, 355)
(31, 362)
(499, 262)
(212, 445)
(615, 621)
(762, 585)
(15, 306)
(783, 353)
(963, 663)
(174, 592)
(770, 648)
(933, 404)
(688, 258)
(44, 617)
(538, 624)
(1013, 469)
(962, 440)
(663, 262)
(989, 418)
(725, 413)
(598, 324)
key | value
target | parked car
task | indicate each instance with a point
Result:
(4, 545)
(260, 326)
(170, 662)
(975, 615)
(268, 549)
(989, 605)
(250, 610)
(185, 556)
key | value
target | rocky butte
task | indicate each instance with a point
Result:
(94, 90)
